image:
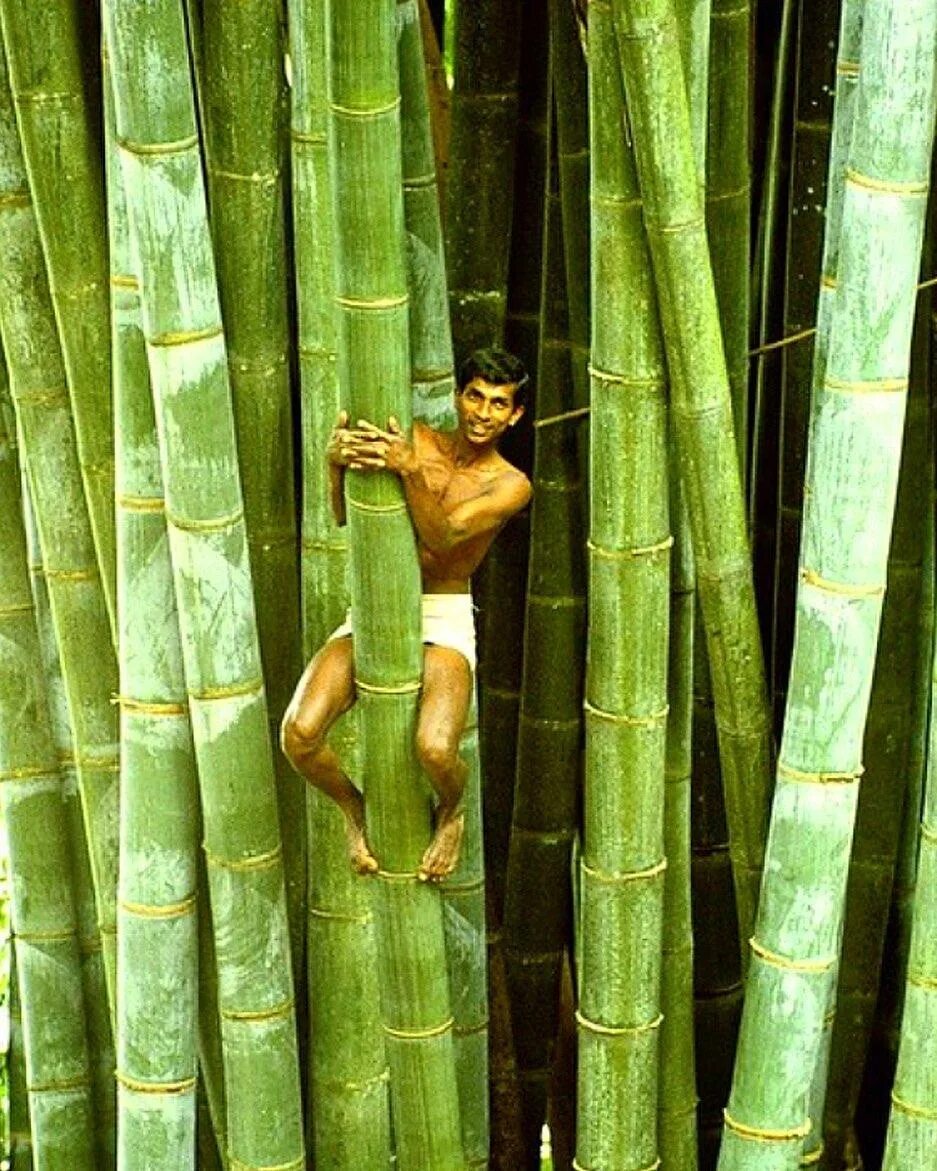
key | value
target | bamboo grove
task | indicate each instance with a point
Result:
(693, 921)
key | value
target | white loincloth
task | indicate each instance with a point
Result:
(448, 620)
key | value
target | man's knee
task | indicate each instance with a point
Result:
(437, 754)
(298, 736)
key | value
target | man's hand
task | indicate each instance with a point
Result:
(376, 450)
(341, 448)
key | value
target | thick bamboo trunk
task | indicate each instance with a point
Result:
(21, 1143)
(77, 600)
(349, 1110)
(857, 421)
(48, 961)
(623, 864)
(374, 373)
(188, 370)
(43, 46)
(702, 412)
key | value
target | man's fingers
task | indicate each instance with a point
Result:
(371, 431)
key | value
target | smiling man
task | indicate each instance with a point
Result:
(460, 492)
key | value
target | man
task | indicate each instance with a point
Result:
(459, 492)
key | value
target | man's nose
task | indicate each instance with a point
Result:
(484, 411)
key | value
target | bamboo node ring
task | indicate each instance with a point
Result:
(816, 967)
(378, 304)
(26, 773)
(16, 198)
(808, 778)
(624, 380)
(61, 1085)
(264, 861)
(648, 721)
(237, 1164)
(920, 980)
(141, 503)
(370, 112)
(766, 1134)
(183, 1086)
(865, 386)
(45, 936)
(38, 97)
(340, 916)
(418, 182)
(283, 1009)
(928, 1113)
(154, 149)
(152, 911)
(360, 506)
(637, 551)
(419, 1034)
(183, 337)
(618, 1031)
(230, 691)
(847, 68)
(845, 589)
(99, 764)
(17, 608)
(55, 396)
(267, 178)
(829, 282)
(625, 876)
(929, 832)
(215, 524)
(72, 574)
(123, 281)
(814, 1156)
(309, 138)
(142, 707)
(394, 689)
(885, 187)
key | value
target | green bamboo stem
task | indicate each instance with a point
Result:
(857, 420)
(817, 161)
(433, 380)
(189, 377)
(549, 740)
(479, 195)
(94, 984)
(157, 908)
(245, 111)
(702, 410)
(43, 913)
(349, 1109)
(374, 373)
(728, 195)
(210, 1056)
(43, 47)
(889, 738)
(77, 600)
(626, 683)
(21, 1143)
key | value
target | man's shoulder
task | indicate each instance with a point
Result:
(512, 481)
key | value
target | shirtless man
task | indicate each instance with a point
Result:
(460, 492)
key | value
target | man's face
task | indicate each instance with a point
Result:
(486, 410)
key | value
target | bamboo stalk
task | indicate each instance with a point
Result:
(349, 1108)
(375, 383)
(857, 420)
(76, 596)
(208, 545)
(626, 683)
(42, 43)
(21, 1143)
(157, 908)
(48, 961)
(549, 741)
(702, 411)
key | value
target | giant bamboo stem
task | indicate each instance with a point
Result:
(857, 420)
(189, 376)
(374, 373)
(702, 411)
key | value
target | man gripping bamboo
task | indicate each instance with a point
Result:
(460, 492)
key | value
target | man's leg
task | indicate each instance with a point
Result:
(444, 705)
(325, 692)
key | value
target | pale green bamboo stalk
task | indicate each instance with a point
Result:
(43, 913)
(375, 383)
(349, 1107)
(76, 597)
(21, 1143)
(243, 84)
(156, 130)
(857, 421)
(623, 860)
(157, 909)
(702, 410)
(42, 43)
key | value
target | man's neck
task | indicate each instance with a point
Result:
(465, 454)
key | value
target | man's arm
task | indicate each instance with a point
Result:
(338, 456)
(438, 530)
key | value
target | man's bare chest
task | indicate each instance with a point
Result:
(453, 486)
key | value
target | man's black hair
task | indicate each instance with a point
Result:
(497, 367)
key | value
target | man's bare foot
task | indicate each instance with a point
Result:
(442, 854)
(362, 860)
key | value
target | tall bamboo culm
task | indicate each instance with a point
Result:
(374, 373)
(702, 410)
(70, 568)
(157, 937)
(857, 420)
(156, 130)
(622, 870)
(347, 1093)
(245, 129)
(48, 965)
(43, 46)
(21, 1142)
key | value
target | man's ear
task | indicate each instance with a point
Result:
(518, 411)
